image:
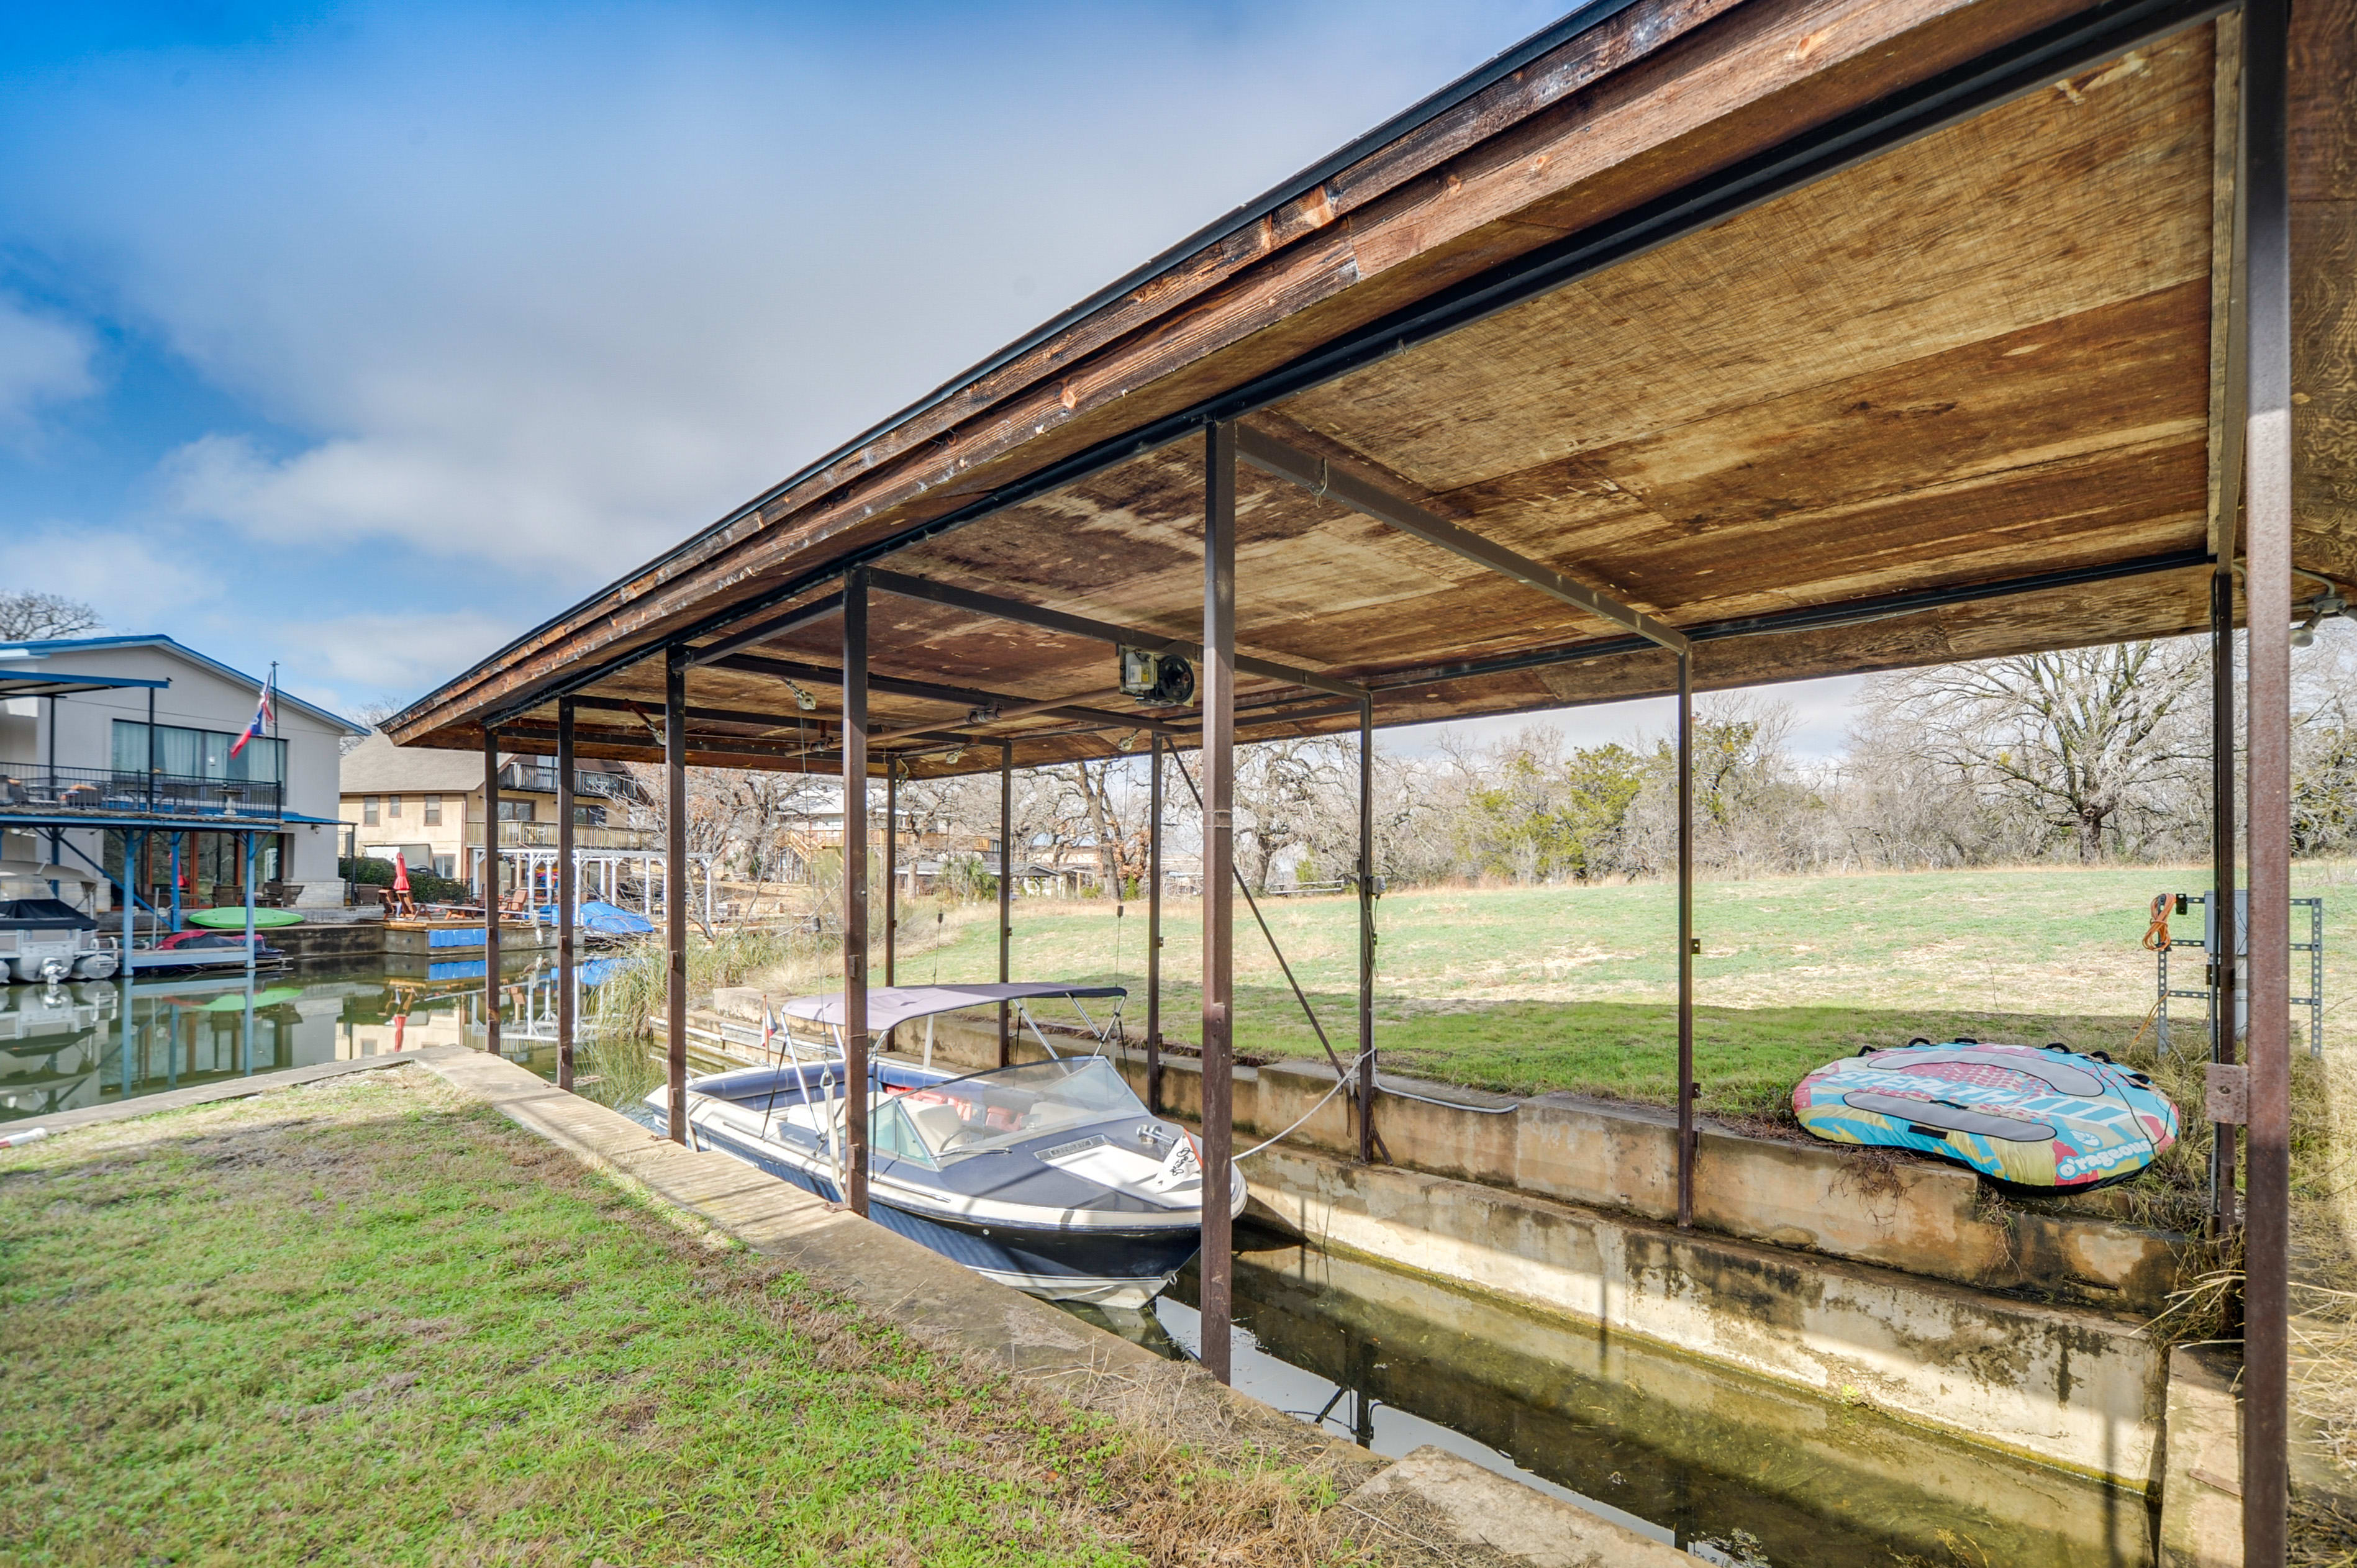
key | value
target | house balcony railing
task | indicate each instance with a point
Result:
(33, 789)
(541, 778)
(585, 836)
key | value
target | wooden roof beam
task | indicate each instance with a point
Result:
(1318, 476)
(1103, 632)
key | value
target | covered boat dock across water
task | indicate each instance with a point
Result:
(1692, 344)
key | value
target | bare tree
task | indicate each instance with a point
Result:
(26, 617)
(2093, 743)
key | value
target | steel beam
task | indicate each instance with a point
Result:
(2225, 1212)
(1154, 925)
(675, 905)
(1103, 632)
(1005, 887)
(490, 892)
(854, 892)
(1319, 477)
(699, 715)
(1685, 941)
(1219, 694)
(2267, 511)
(568, 894)
(1367, 931)
(817, 609)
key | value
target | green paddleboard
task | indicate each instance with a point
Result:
(235, 1000)
(234, 919)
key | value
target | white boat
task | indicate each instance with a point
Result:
(1051, 1177)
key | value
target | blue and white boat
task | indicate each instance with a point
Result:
(1051, 1177)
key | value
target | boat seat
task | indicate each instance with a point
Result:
(937, 1123)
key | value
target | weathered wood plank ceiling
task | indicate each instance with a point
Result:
(1982, 357)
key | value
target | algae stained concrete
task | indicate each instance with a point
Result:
(1914, 1216)
(2074, 1388)
(1674, 1439)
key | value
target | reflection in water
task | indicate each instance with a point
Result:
(89, 1043)
(1733, 1468)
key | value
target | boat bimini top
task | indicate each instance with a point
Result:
(890, 1006)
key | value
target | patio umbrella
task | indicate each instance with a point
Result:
(400, 872)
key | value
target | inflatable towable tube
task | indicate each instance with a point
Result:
(2039, 1120)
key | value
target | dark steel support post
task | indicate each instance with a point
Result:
(854, 891)
(1006, 886)
(491, 890)
(1367, 931)
(1219, 887)
(2225, 1213)
(675, 905)
(1685, 941)
(1154, 925)
(2267, 458)
(568, 894)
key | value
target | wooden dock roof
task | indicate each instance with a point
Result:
(1836, 335)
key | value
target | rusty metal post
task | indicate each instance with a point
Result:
(854, 891)
(1367, 930)
(1685, 941)
(568, 893)
(675, 905)
(2223, 1210)
(1154, 925)
(491, 890)
(1218, 888)
(1006, 886)
(2267, 470)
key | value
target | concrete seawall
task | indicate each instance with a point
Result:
(1914, 1216)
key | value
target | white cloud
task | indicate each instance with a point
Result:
(359, 658)
(559, 287)
(43, 361)
(137, 579)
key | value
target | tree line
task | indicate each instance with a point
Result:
(2085, 756)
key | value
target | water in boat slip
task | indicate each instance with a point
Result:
(1732, 1469)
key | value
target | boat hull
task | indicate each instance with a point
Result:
(1102, 1265)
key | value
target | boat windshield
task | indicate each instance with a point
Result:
(1016, 1104)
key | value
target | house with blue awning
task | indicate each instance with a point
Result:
(116, 762)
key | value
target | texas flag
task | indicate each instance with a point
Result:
(262, 713)
(768, 1028)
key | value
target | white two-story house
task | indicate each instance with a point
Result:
(140, 728)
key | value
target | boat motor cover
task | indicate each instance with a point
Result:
(43, 915)
(2042, 1120)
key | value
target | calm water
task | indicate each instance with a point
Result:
(1733, 1469)
(62, 1047)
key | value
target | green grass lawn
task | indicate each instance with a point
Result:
(368, 1321)
(1571, 987)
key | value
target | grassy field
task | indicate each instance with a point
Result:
(367, 1321)
(1532, 989)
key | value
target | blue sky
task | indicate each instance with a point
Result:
(365, 337)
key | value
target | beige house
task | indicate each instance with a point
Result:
(427, 805)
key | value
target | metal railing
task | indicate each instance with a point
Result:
(542, 835)
(31, 787)
(541, 778)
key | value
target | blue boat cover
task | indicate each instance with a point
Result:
(2045, 1120)
(597, 915)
